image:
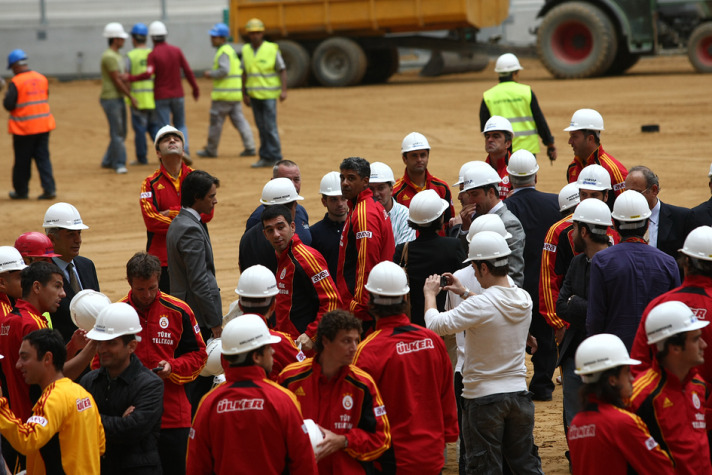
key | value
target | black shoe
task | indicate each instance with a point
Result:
(47, 196)
(247, 153)
(205, 154)
(17, 196)
(262, 163)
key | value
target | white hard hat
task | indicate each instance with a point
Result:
(698, 243)
(488, 222)
(314, 433)
(233, 312)
(279, 191)
(479, 174)
(568, 196)
(114, 30)
(497, 122)
(488, 245)
(168, 129)
(245, 334)
(257, 282)
(631, 208)
(585, 119)
(522, 163)
(381, 173)
(710, 173)
(414, 141)
(593, 211)
(331, 184)
(426, 206)
(387, 279)
(594, 177)
(507, 63)
(669, 319)
(86, 306)
(157, 28)
(10, 259)
(461, 175)
(115, 320)
(63, 215)
(213, 365)
(598, 353)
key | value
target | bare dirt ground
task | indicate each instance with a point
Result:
(319, 127)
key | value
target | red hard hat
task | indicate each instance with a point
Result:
(34, 244)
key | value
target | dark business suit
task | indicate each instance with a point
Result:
(61, 319)
(537, 211)
(192, 270)
(700, 215)
(671, 228)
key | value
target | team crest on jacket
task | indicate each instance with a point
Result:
(696, 401)
(284, 272)
(347, 402)
(163, 322)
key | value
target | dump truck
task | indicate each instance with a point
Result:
(348, 42)
(587, 38)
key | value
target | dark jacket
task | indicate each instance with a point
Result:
(132, 441)
(671, 228)
(61, 319)
(573, 311)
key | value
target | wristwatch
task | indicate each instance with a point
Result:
(465, 294)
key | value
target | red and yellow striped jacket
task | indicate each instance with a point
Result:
(404, 190)
(615, 169)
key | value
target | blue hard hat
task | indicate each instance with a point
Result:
(139, 29)
(220, 29)
(15, 56)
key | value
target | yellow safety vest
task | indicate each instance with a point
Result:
(141, 90)
(228, 88)
(512, 101)
(263, 82)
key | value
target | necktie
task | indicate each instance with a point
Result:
(73, 281)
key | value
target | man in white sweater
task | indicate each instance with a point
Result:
(498, 413)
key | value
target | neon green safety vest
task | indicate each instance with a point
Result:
(512, 101)
(263, 82)
(141, 90)
(228, 88)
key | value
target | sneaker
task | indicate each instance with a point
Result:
(262, 163)
(47, 196)
(248, 153)
(121, 170)
(187, 160)
(205, 154)
(16, 196)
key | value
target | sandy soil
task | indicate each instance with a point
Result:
(319, 127)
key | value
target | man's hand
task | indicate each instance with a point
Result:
(330, 444)
(559, 335)
(282, 96)
(305, 341)
(532, 343)
(128, 411)
(246, 99)
(196, 93)
(217, 331)
(466, 216)
(432, 286)
(206, 74)
(551, 152)
(166, 371)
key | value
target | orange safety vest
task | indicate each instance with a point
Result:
(31, 114)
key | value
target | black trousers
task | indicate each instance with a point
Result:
(26, 148)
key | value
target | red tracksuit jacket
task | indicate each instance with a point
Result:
(674, 411)
(24, 319)
(606, 439)
(349, 404)
(366, 240)
(5, 305)
(615, 169)
(160, 192)
(302, 272)
(402, 356)
(170, 332)
(504, 186)
(251, 426)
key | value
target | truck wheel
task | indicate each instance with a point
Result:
(576, 40)
(699, 48)
(339, 62)
(296, 59)
(623, 62)
(382, 64)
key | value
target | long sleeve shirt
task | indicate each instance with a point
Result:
(165, 63)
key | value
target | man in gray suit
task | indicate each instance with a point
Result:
(190, 255)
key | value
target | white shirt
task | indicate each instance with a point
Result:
(653, 223)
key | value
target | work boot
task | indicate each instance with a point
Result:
(248, 153)
(205, 154)
(262, 163)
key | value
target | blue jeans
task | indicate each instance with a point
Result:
(265, 112)
(497, 426)
(115, 110)
(165, 108)
(571, 383)
(143, 121)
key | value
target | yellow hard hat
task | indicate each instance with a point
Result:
(255, 24)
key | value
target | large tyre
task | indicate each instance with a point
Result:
(296, 59)
(623, 62)
(339, 62)
(576, 40)
(699, 48)
(382, 64)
